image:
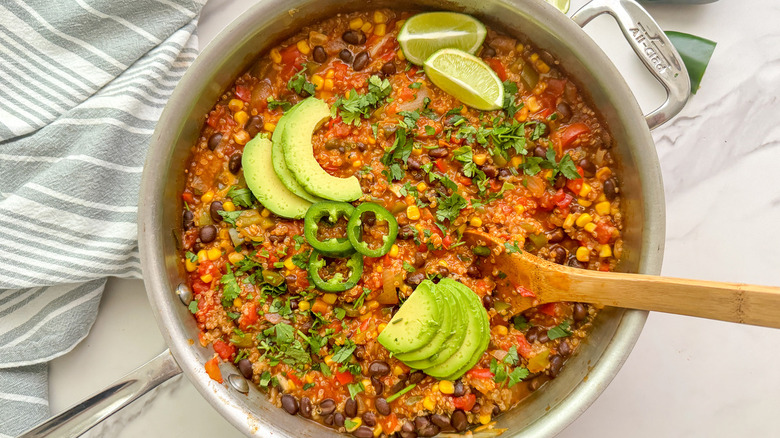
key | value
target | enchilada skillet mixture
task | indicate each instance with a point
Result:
(301, 312)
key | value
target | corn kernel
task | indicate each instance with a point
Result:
(214, 253)
(235, 257)
(380, 17)
(241, 118)
(371, 140)
(241, 137)
(583, 254)
(381, 327)
(203, 256)
(291, 385)
(207, 197)
(318, 82)
(189, 265)
(533, 104)
(585, 190)
(309, 378)
(603, 208)
(276, 57)
(268, 126)
(380, 29)
(367, 27)
(601, 198)
(584, 202)
(400, 55)
(484, 418)
(590, 227)
(519, 47)
(542, 67)
(378, 430)
(228, 206)
(330, 74)
(236, 105)
(329, 298)
(329, 360)
(303, 47)
(288, 263)
(569, 221)
(501, 330)
(446, 387)
(238, 302)
(603, 173)
(397, 370)
(605, 251)
(479, 159)
(534, 57)
(206, 278)
(265, 212)
(378, 268)
(393, 251)
(417, 151)
(356, 422)
(519, 209)
(328, 85)
(304, 306)
(413, 212)
(357, 163)
(223, 234)
(584, 218)
(522, 115)
(355, 23)
(429, 404)
(516, 161)
(421, 187)
(476, 222)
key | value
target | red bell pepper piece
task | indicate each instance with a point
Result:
(344, 377)
(465, 402)
(244, 92)
(499, 68)
(249, 316)
(480, 373)
(224, 350)
(571, 133)
(212, 369)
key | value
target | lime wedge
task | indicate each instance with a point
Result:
(466, 77)
(562, 5)
(424, 34)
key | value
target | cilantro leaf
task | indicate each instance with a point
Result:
(517, 375)
(192, 257)
(510, 104)
(344, 352)
(193, 306)
(301, 259)
(230, 216)
(415, 85)
(283, 104)
(231, 289)
(408, 267)
(357, 106)
(355, 389)
(340, 312)
(450, 207)
(349, 424)
(241, 197)
(519, 322)
(512, 247)
(559, 331)
(359, 302)
(300, 84)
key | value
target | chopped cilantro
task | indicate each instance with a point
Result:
(349, 424)
(230, 216)
(517, 375)
(355, 389)
(520, 323)
(359, 301)
(301, 259)
(273, 104)
(241, 197)
(510, 103)
(325, 369)
(343, 352)
(231, 289)
(340, 312)
(308, 386)
(559, 331)
(193, 306)
(300, 84)
(450, 207)
(299, 240)
(357, 106)
(512, 247)
(415, 85)
(192, 257)
(233, 315)
(265, 379)
(430, 130)
(408, 267)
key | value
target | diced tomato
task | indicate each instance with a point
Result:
(214, 116)
(446, 242)
(293, 378)
(291, 62)
(498, 67)
(548, 309)
(603, 233)
(555, 86)
(523, 347)
(441, 164)
(571, 133)
(389, 422)
(244, 92)
(364, 325)
(187, 197)
(223, 349)
(249, 316)
(463, 180)
(455, 140)
(480, 373)
(465, 402)
(525, 292)
(545, 202)
(212, 369)
(562, 199)
(344, 377)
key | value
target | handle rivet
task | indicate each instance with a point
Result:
(238, 383)
(184, 293)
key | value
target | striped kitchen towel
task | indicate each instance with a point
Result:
(82, 85)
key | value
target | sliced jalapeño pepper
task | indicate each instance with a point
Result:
(355, 227)
(337, 283)
(335, 246)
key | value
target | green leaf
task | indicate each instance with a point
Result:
(308, 386)
(517, 375)
(349, 424)
(559, 331)
(512, 247)
(272, 104)
(357, 106)
(510, 101)
(408, 267)
(193, 306)
(450, 207)
(339, 312)
(519, 322)
(344, 352)
(325, 369)
(301, 259)
(695, 52)
(241, 197)
(265, 379)
(429, 130)
(355, 389)
(230, 216)
(299, 83)
(231, 290)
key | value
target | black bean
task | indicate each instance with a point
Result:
(475, 409)
(540, 152)
(556, 362)
(214, 210)
(275, 238)
(459, 421)
(346, 56)
(555, 236)
(564, 349)
(564, 110)
(574, 263)
(361, 61)
(306, 407)
(419, 260)
(588, 167)
(441, 270)
(369, 419)
(245, 366)
(329, 419)
(473, 272)
(338, 419)
(488, 52)
(532, 334)
(459, 390)
(327, 406)
(319, 54)
(350, 407)
(487, 301)
(406, 232)
(187, 220)
(496, 410)
(378, 368)
(208, 233)
(429, 430)
(290, 404)
(504, 172)
(610, 188)
(416, 377)
(420, 422)
(403, 434)
(363, 432)
(214, 140)
(379, 387)
(542, 336)
(535, 383)
(408, 427)
(234, 165)
(440, 420)
(355, 37)
(382, 406)
(413, 163)
(294, 304)
(388, 68)
(369, 218)
(490, 171)
(399, 385)
(292, 278)
(254, 125)
(560, 182)
(558, 254)
(439, 152)
(415, 278)
(580, 312)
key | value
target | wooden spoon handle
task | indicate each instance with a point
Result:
(734, 302)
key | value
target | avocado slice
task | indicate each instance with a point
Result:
(450, 316)
(265, 185)
(415, 323)
(482, 347)
(295, 138)
(473, 342)
(280, 165)
(460, 326)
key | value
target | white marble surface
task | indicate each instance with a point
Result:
(686, 377)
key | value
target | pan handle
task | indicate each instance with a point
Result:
(653, 48)
(90, 412)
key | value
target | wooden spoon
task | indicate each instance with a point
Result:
(531, 281)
